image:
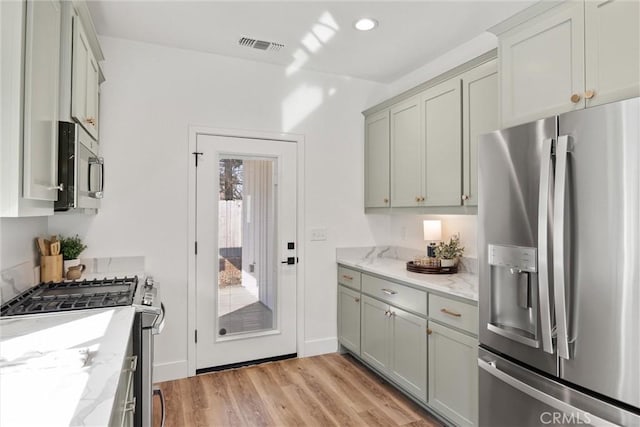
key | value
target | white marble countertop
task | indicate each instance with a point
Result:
(62, 369)
(392, 263)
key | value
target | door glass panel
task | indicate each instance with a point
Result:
(246, 246)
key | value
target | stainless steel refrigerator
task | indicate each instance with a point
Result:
(559, 255)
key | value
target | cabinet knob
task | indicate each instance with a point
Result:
(589, 94)
(417, 198)
(386, 200)
(465, 197)
(575, 98)
(422, 199)
(429, 331)
(357, 299)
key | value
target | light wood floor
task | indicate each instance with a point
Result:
(328, 390)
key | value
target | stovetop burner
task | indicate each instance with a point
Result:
(72, 295)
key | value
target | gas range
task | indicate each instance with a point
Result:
(142, 294)
(73, 295)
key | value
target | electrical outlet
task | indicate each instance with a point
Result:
(318, 234)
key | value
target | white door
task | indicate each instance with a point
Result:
(246, 249)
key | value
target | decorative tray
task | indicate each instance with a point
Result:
(430, 269)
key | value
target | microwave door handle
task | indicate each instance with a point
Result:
(559, 277)
(96, 161)
(543, 245)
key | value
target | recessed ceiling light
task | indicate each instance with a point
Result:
(365, 24)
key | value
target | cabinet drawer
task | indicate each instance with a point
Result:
(395, 294)
(454, 313)
(349, 278)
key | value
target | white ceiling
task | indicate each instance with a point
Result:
(317, 35)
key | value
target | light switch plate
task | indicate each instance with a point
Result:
(318, 234)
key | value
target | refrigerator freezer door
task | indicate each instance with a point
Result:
(602, 246)
(513, 396)
(514, 280)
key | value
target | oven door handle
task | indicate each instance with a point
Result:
(159, 325)
(158, 391)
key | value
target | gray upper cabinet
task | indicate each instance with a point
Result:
(432, 141)
(86, 78)
(567, 57)
(349, 318)
(29, 63)
(406, 154)
(441, 130)
(612, 41)
(376, 164)
(42, 63)
(479, 115)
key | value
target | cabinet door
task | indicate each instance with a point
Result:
(479, 115)
(374, 342)
(542, 65)
(453, 374)
(93, 75)
(42, 63)
(406, 154)
(408, 364)
(612, 30)
(349, 319)
(85, 80)
(442, 130)
(376, 164)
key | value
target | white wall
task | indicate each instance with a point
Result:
(17, 240)
(151, 97)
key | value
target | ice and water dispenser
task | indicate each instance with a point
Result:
(514, 293)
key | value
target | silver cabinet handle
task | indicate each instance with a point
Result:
(562, 152)
(133, 363)
(543, 245)
(491, 368)
(389, 291)
(130, 405)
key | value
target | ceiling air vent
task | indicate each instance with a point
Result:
(260, 44)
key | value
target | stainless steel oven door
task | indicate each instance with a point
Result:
(511, 395)
(90, 178)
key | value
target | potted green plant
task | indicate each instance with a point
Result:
(71, 248)
(449, 252)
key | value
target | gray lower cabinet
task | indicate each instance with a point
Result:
(453, 374)
(349, 318)
(409, 352)
(395, 342)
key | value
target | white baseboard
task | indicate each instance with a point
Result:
(319, 346)
(170, 371)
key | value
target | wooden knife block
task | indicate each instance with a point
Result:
(51, 268)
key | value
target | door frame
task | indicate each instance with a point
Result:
(194, 132)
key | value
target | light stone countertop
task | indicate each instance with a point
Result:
(62, 369)
(391, 262)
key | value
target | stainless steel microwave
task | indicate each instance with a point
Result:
(80, 169)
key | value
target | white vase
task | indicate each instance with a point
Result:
(447, 262)
(70, 263)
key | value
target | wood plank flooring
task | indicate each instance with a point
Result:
(327, 390)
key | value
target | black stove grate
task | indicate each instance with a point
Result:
(72, 295)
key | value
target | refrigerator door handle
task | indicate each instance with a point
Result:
(543, 245)
(562, 152)
(491, 368)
